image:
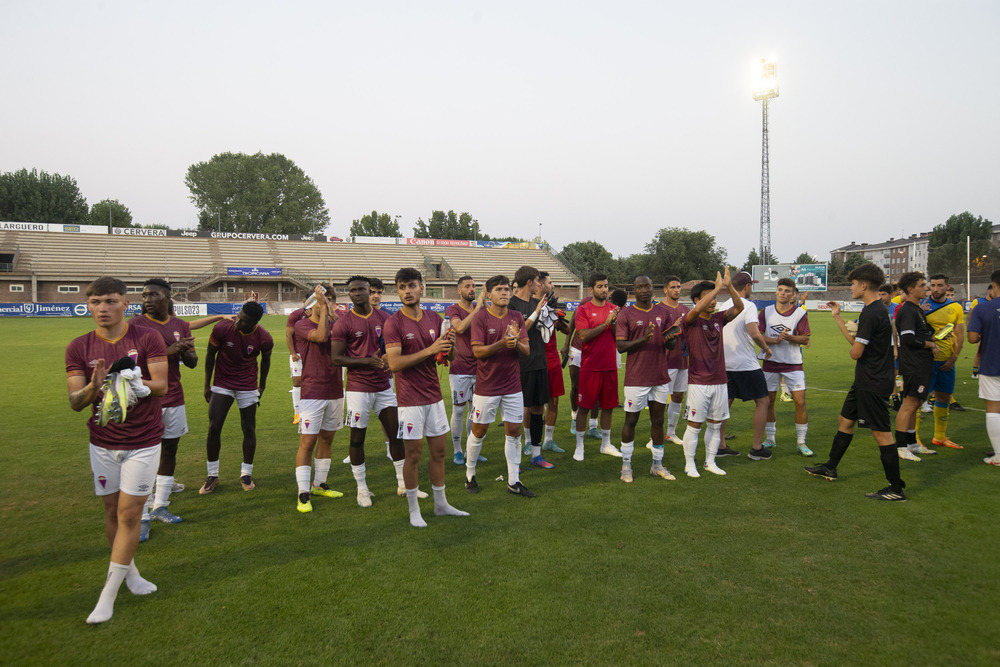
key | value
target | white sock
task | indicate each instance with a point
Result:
(106, 603)
(398, 465)
(579, 439)
(800, 433)
(359, 476)
(592, 423)
(322, 470)
(993, 430)
(164, 483)
(441, 506)
(136, 584)
(246, 469)
(527, 436)
(302, 474)
(673, 416)
(691, 443)
(296, 397)
(536, 451)
(416, 520)
(457, 421)
(213, 468)
(605, 437)
(473, 446)
(627, 449)
(573, 414)
(770, 428)
(512, 450)
(657, 453)
(713, 437)
(550, 432)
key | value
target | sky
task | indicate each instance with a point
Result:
(596, 120)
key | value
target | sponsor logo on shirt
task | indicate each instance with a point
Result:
(358, 334)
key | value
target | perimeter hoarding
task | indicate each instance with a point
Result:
(807, 277)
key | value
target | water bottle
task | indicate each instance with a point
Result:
(311, 301)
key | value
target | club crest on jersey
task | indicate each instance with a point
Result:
(357, 416)
(103, 481)
(306, 422)
(177, 335)
(433, 334)
(249, 349)
(409, 427)
(378, 330)
(477, 414)
(659, 321)
(133, 354)
(630, 403)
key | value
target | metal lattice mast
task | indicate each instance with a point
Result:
(767, 89)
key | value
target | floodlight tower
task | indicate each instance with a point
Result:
(766, 89)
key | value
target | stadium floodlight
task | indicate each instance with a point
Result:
(765, 89)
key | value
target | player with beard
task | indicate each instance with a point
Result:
(232, 354)
(462, 371)
(413, 339)
(916, 363)
(528, 300)
(677, 358)
(498, 339)
(640, 333)
(553, 363)
(947, 318)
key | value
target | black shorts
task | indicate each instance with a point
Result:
(869, 409)
(747, 385)
(535, 387)
(918, 384)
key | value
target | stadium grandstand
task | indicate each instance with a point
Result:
(51, 266)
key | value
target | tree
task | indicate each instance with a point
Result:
(587, 257)
(256, 194)
(947, 251)
(376, 224)
(804, 258)
(956, 228)
(110, 212)
(448, 226)
(30, 196)
(685, 253)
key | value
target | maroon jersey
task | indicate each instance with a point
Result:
(677, 358)
(419, 384)
(236, 363)
(706, 354)
(500, 374)
(362, 337)
(293, 317)
(464, 362)
(647, 365)
(143, 426)
(598, 352)
(321, 380)
(172, 330)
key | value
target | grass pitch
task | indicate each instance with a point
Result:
(765, 565)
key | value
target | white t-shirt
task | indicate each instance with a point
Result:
(740, 352)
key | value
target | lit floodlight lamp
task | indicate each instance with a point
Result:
(767, 82)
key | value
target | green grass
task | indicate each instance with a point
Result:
(765, 565)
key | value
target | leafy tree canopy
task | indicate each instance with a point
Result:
(376, 224)
(111, 212)
(691, 255)
(33, 196)
(956, 228)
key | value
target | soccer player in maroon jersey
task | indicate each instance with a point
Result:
(639, 332)
(356, 344)
(232, 354)
(124, 456)
(708, 396)
(677, 358)
(498, 339)
(462, 371)
(595, 322)
(412, 340)
(322, 402)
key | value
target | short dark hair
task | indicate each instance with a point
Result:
(938, 276)
(159, 282)
(699, 288)
(887, 288)
(357, 279)
(254, 311)
(496, 280)
(408, 274)
(106, 285)
(786, 282)
(909, 280)
(670, 279)
(330, 292)
(868, 273)
(596, 278)
(542, 275)
(641, 275)
(619, 297)
(524, 275)
(376, 284)
(995, 277)
(463, 279)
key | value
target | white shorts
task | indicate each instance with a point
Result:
(295, 366)
(510, 406)
(637, 398)
(989, 387)
(678, 380)
(575, 355)
(320, 414)
(462, 388)
(707, 401)
(362, 404)
(174, 422)
(244, 399)
(794, 380)
(420, 421)
(130, 471)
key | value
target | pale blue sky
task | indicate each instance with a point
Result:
(600, 120)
